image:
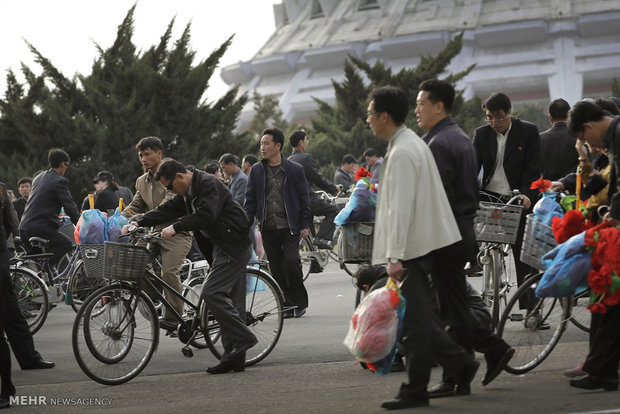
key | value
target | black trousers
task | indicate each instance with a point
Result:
(282, 249)
(59, 244)
(224, 295)
(5, 356)
(423, 338)
(604, 357)
(319, 207)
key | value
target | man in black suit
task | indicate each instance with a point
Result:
(508, 151)
(50, 192)
(24, 185)
(558, 156)
(318, 207)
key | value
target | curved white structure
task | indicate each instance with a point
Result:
(533, 50)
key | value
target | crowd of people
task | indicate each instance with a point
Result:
(428, 193)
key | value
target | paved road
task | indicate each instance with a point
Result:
(310, 371)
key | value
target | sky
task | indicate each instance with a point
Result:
(66, 31)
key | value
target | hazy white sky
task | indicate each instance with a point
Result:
(65, 31)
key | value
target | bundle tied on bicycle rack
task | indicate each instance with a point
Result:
(356, 245)
(124, 261)
(497, 223)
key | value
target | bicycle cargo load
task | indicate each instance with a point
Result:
(538, 239)
(124, 261)
(497, 223)
(356, 242)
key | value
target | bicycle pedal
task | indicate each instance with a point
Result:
(187, 352)
(516, 317)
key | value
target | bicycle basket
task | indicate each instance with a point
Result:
(356, 242)
(497, 222)
(68, 230)
(125, 261)
(538, 239)
(92, 256)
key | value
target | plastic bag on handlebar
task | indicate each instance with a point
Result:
(376, 328)
(546, 209)
(360, 207)
(93, 227)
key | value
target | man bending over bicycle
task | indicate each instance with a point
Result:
(204, 205)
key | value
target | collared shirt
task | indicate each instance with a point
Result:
(275, 210)
(499, 182)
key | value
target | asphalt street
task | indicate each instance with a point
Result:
(310, 371)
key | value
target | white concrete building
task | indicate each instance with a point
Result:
(532, 50)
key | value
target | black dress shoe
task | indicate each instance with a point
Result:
(594, 382)
(400, 403)
(323, 244)
(5, 397)
(5, 403)
(299, 312)
(466, 377)
(288, 314)
(443, 389)
(496, 367)
(241, 349)
(40, 364)
(230, 365)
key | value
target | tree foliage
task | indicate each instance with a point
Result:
(98, 117)
(340, 129)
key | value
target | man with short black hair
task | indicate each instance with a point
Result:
(24, 186)
(204, 205)
(344, 175)
(318, 207)
(413, 220)
(50, 193)
(248, 161)
(373, 164)
(558, 154)
(237, 180)
(277, 196)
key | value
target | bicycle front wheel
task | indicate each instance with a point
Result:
(81, 285)
(263, 315)
(580, 315)
(497, 266)
(31, 294)
(532, 326)
(115, 334)
(306, 255)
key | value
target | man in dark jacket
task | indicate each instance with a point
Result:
(50, 192)
(277, 196)
(455, 157)
(24, 185)
(508, 152)
(345, 174)
(318, 207)
(558, 155)
(204, 205)
(589, 122)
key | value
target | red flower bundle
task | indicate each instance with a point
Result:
(361, 173)
(541, 185)
(604, 280)
(567, 226)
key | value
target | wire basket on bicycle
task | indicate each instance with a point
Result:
(497, 222)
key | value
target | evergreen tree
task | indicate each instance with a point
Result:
(98, 117)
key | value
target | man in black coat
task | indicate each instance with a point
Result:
(323, 239)
(508, 152)
(24, 186)
(205, 206)
(50, 192)
(558, 155)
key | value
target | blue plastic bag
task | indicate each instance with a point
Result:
(546, 209)
(568, 265)
(93, 227)
(360, 207)
(115, 226)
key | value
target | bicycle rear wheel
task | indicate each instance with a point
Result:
(497, 266)
(580, 315)
(31, 294)
(115, 334)
(535, 331)
(81, 285)
(263, 315)
(192, 292)
(305, 254)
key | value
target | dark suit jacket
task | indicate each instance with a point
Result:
(19, 205)
(313, 175)
(50, 192)
(521, 157)
(559, 156)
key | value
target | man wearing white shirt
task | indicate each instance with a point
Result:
(413, 219)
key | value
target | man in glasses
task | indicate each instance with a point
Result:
(50, 193)
(150, 193)
(508, 152)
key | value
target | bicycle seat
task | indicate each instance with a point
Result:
(38, 242)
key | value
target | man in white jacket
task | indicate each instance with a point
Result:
(413, 219)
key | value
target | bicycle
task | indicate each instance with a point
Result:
(496, 226)
(116, 331)
(535, 330)
(313, 258)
